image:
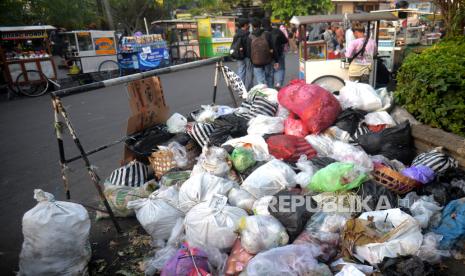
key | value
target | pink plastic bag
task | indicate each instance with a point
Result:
(294, 126)
(289, 148)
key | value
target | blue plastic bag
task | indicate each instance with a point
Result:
(452, 226)
(422, 174)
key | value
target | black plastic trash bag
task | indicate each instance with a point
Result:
(443, 189)
(227, 127)
(406, 266)
(147, 141)
(393, 143)
(349, 120)
(378, 195)
(282, 207)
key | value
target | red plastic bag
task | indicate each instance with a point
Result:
(376, 128)
(289, 148)
(294, 126)
(317, 107)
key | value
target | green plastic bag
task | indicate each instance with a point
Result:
(336, 177)
(242, 159)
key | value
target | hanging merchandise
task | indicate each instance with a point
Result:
(213, 223)
(394, 143)
(242, 159)
(317, 107)
(227, 127)
(288, 260)
(289, 148)
(359, 96)
(215, 161)
(295, 217)
(321, 143)
(435, 160)
(344, 152)
(261, 233)
(200, 188)
(158, 213)
(420, 173)
(56, 238)
(262, 124)
(258, 144)
(307, 169)
(240, 198)
(238, 259)
(452, 225)
(294, 126)
(269, 179)
(176, 123)
(349, 120)
(337, 177)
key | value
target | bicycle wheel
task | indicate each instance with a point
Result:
(331, 83)
(190, 56)
(109, 69)
(32, 83)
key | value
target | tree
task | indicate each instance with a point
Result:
(129, 14)
(453, 12)
(285, 9)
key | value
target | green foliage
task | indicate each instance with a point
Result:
(285, 9)
(129, 14)
(431, 85)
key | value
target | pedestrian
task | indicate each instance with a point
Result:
(349, 36)
(260, 51)
(329, 36)
(239, 52)
(360, 53)
(278, 43)
(292, 39)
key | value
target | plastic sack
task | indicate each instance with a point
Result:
(262, 124)
(260, 206)
(227, 126)
(214, 160)
(282, 112)
(424, 209)
(294, 126)
(289, 148)
(317, 107)
(242, 159)
(321, 162)
(337, 134)
(452, 225)
(436, 160)
(144, 142)
(344, 152)
(306, 171)
(349, 120)
(240, 198)
(202, 187)
(394, 143)
(157, 215)
(207, 114)
(213, 223)
(56, 238)
(359, 96)
(404, 239)
(322, 144)
(176, 123)
(336, 177)
(260, 233)
(238, 259)
(377, 196)
(379, 118)
(429, 251)
(443, 189)
(420, 173)
(258, 144)
(187, 261)
(269, 179)
(288, 260)
(263, 91)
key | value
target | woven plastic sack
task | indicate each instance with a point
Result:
(260, 233)
(336, 177)
(56, 238)
(289, 148)
(242, 159)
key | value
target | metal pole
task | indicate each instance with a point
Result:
(146, 27)
(93, 175)
(215, 82)
(58, 131)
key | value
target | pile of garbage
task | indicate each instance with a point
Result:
(295, 182)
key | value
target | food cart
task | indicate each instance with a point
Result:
(142, 52)
(182, 38)
(91, 50)
(315, 65)
(215, 35)
(26, 48)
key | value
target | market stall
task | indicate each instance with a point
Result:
(215, 35)
(142, 52)
(26, 48)
(182, 39)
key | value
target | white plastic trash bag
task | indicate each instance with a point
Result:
(379, 118)
(240, 198)
(202, 187)
(56, 238)
(347, 153)
(265, 125)
(306, 171)
(259, 146)
(405, 240)
(213, 223)
(424, 209)
(213, 160)
(288, 260)
(270, 178)
(176, 123)
(156, 214)
(359, 96)
(260, 206)
(321, 143)
(260, 233)
(429, 251)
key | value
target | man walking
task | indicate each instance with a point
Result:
(278, 40)
(261, 54)
(239, 52)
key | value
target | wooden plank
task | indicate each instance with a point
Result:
(437, 137)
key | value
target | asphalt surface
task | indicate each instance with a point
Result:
(29, 152)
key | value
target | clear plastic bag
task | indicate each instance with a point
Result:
(262, 124)
(429, 251)
(176, 123)
(241, 198)
(321, 143)
(258, 144)
(344, 152)
(214, 160)
(179, 153)
(260, 206)
(207, 115)
(359, 96)
(306, 171)
(379, 118)
(260, 233)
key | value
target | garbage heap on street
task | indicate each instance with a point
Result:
(295, 182)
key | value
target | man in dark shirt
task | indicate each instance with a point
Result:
(278, 40)
(244, 65)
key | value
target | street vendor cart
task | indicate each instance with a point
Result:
(315, 65)
(182, 39)
(26, 48)
(215, 35)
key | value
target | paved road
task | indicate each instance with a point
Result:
(29, 154)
